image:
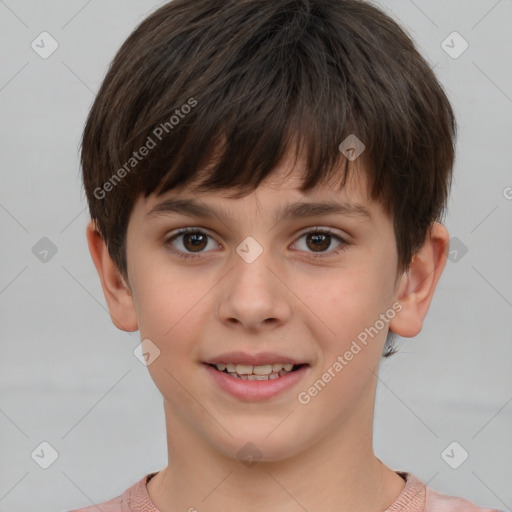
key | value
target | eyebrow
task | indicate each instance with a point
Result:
(194, 208)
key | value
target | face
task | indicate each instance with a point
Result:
(248, 285)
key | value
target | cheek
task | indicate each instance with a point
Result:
(349, 348)
(170, 310)
(344, 303)
(168, 304)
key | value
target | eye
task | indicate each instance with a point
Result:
(191, 239)
(319, 240)
(194, 241)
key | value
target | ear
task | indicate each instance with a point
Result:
(416, 287)
(117, 292)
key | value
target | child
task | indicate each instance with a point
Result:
(265, 180)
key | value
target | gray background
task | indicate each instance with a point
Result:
(69, 377)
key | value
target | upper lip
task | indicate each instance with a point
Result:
(252, 359)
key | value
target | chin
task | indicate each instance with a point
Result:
(261, 444)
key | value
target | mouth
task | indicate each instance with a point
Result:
(257, 372)
(255, 382)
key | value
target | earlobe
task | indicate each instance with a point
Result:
(115, 289)
(416, 287)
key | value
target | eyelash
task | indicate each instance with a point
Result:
(324, 231)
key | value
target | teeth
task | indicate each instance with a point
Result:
(257, 377)
(243, 369)
(247, 369)
(263, 369)
(259, 372)
(279, 366)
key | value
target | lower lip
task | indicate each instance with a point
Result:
(254, 390)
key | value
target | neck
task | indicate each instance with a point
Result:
(339, 472)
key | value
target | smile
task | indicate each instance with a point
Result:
(256, 382)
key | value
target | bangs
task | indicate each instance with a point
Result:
(241, 161)
(276, 91)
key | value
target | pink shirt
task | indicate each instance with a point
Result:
(415, 497)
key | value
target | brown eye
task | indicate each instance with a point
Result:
(195, 242)
(189, 243)
(318, 241)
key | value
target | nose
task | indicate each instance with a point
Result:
(252, 296)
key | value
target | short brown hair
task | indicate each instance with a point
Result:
(258, 77)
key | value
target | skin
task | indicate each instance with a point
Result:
(316, 456)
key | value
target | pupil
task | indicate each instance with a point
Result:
(195, 239)
(320, 237)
